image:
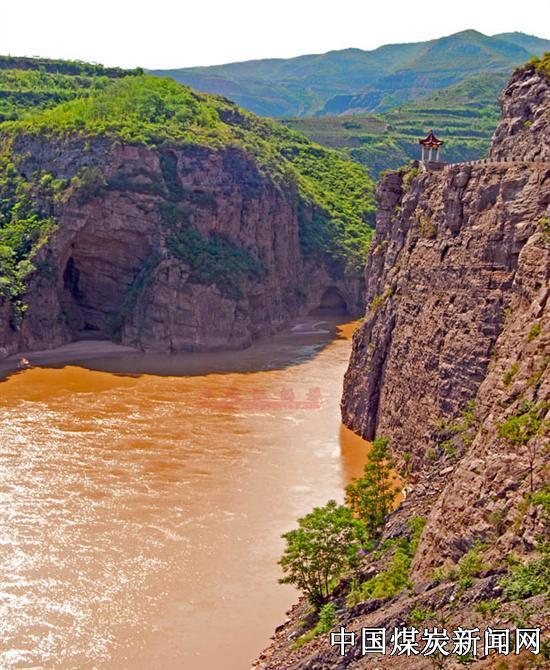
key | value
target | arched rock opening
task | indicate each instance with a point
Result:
(332, 299)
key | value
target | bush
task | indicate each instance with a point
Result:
(534, 331)
(88, 184)
(321, 550)
(488, 606)
(326, 622)
(528, 579)
(519, 429)
(391, 581)
(470, 565)
(510, 374)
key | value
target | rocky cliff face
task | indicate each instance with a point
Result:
(457, 280)
(116, 266)
(525, 125)
(451, 364)
(440, 281)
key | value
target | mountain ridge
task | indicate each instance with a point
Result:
(307, 84)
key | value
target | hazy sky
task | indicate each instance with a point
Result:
(164, 33)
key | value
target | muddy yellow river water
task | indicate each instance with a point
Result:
(142, 499)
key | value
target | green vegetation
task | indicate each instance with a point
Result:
(528, 579)
(24, 227)
(325, 623)
(59, 101)
(334, 197)
(371, 497)
(510, 374)
(323, 548)
(534, 331)
(66, 67)
(426, 227)
(470, 565)
(420, 615)
(329, 541)
(464, 114)
(352, 79)
(391, 581)
(542, 64)
(521, 427)
(451, 435)
(373, 106)
(215, 260)
(518, 430)
(544, 227)
(377, 302)
(485, 607)
(28, 84)
(542, 498)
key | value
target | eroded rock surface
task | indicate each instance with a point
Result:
(455, 344)
(109, 270)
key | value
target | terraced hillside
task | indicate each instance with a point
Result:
(465, 115)
(29, 84)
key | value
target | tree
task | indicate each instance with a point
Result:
(371, 497)
(325, 546)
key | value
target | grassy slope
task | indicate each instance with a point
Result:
(29, 84)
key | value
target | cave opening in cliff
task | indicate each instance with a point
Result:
(332, 300)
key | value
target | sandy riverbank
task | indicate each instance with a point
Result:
(64, 354)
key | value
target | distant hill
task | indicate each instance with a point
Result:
(357, 81)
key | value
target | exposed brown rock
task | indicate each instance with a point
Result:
(455, 341)
(525, 124)
(111, 273)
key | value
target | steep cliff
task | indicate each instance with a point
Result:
(451, 364)
(456, 282)
(170, 221)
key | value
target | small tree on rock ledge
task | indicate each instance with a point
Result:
(321, 550)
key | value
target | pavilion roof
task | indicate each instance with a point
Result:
(431, 140)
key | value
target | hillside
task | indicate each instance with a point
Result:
(145, 212)
(464, 114)
(352, 79)
(29, 84)
(450, 366)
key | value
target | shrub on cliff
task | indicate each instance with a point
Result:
(321, 550)
(395, 577)
(24, 227)
(542, 65)
(215, 260)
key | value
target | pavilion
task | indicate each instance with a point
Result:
(431, 142)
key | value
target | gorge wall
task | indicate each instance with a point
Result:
(451, 364)
(120, 266)
(457, 281)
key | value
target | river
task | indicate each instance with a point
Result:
(142, 499)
